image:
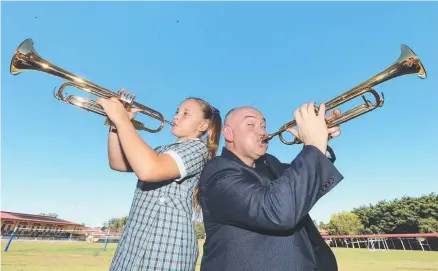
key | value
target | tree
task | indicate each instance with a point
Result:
(115, 224)
(344, 223)
(123, 221)
(428, 225)
(399, 215)
(322, 226)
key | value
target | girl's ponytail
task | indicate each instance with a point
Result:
(214, 133)
(213, 136)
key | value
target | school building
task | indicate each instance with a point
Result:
(30, 226)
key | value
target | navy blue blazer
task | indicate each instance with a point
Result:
(254, 223)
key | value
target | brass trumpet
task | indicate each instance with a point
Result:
(407, 63)
(26, 58)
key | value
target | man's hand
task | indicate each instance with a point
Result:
(336, 130)
(312, 128)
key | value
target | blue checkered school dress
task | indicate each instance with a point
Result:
(159, 233)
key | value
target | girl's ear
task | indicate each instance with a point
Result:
(203, 126)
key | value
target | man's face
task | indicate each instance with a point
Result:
(246, 128)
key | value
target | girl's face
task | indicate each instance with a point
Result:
(189, 120)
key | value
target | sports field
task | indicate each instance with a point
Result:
(75, 256)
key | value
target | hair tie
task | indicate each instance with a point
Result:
(214, 111)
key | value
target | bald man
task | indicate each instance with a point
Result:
(255, 208)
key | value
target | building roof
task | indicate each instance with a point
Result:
(36, 218)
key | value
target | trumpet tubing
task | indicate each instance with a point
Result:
(26, 58)
(407, 63)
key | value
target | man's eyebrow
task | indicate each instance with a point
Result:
(251, 116)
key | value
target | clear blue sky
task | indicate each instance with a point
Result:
(274, 56)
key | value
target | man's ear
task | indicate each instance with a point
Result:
(228, 133)
(203, 126)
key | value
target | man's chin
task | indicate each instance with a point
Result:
(261, 150)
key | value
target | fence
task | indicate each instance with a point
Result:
(93, 236)
(416, 241)
(424, 241)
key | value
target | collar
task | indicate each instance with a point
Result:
(190, 138)
(230, 155)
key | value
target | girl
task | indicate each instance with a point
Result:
(159, 233)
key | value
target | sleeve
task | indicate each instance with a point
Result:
(232, 196)
(330, 154)
(190, 156)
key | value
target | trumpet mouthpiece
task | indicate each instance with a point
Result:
(265, 139)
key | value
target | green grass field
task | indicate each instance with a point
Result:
(75, 256)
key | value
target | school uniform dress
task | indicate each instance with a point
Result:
(159, 233)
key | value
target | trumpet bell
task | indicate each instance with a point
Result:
(19, 62)
(410, 60)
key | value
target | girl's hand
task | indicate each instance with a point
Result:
(115, 110)
(132, 112)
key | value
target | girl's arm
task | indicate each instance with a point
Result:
(116, 157)
(143, 160)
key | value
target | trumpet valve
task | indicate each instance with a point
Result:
(127, 98)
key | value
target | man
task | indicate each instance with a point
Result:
(255, 208)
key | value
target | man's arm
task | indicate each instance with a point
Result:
(330, 154)
(232, 196)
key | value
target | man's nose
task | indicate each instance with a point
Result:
(262, 131)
